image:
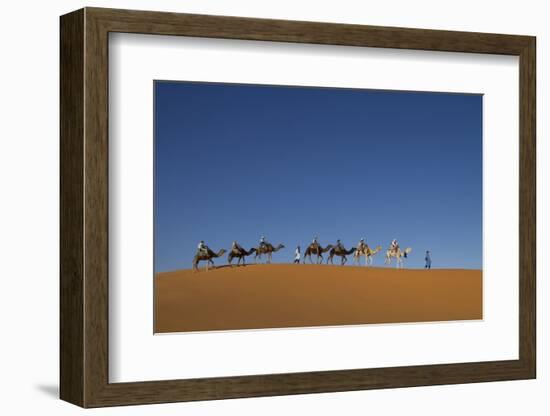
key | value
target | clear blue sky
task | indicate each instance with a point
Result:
(233, 162)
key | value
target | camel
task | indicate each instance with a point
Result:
(239, 255)
(398, 254)
(315, 248)
(367, 252)
(342, 252)
(206, 257)
(267, 249)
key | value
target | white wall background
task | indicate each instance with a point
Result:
(29, 85)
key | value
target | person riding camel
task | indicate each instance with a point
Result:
(203, 248)
(394, 246)
(263, 242)
(236, 247)
(339, 245)
(315, 242)
(361, 245)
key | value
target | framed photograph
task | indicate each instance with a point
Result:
(255, 207)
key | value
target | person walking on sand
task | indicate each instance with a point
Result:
(428, 259)
(297, 255)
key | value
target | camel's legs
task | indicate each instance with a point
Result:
(211, 262)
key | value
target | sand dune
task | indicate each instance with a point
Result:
(285, 295)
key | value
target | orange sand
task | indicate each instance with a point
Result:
(286, 295)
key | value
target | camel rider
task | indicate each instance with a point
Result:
(339, 245)
(315, 242)
(361, 245)
(394, 246)
(236, 247)
(263, 243)
(203, 248)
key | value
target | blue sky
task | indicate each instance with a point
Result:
(233, 162)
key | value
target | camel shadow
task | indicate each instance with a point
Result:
(226, 266)
(229, 266)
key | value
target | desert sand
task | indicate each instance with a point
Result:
(286, 295)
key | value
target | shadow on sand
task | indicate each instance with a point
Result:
(226, 266)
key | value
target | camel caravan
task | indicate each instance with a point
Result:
(362, 249)
(204, 253)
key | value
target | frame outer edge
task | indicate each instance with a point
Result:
(342, 34)
(95, 201)
(84, 276)
(71, 291)
(528, 208)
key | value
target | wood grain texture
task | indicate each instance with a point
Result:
(527, 208)
(71, 212)
(162, 23)
(84, 207)
(96, 208)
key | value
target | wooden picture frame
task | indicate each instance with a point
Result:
(84, 207)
